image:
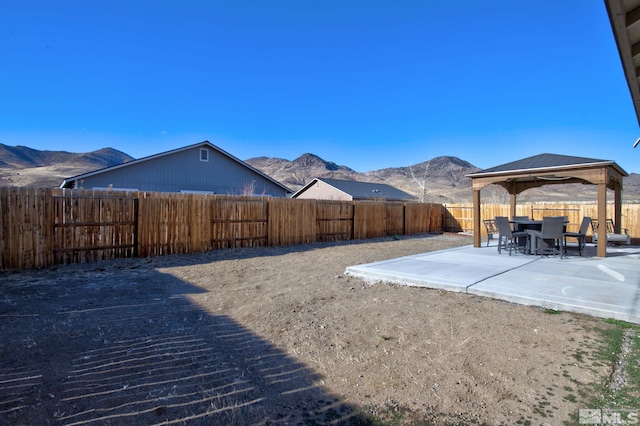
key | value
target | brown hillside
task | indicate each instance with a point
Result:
(23, 166)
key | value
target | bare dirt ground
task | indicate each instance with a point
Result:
(281, 336)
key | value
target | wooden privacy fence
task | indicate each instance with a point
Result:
(459, 217)
(44, 227)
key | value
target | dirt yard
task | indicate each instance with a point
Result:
(281, 336)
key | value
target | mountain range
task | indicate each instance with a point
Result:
(440, 179)
(24, 166)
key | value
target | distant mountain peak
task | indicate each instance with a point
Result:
(302, 170)
(447, 160)
(16, 162)
(312, 160)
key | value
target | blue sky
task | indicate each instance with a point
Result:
(366, 84)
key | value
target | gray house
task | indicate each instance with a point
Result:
(198, 168)
(349, 190)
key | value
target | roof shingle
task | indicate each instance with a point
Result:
(542, 161)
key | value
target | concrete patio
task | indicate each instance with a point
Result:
(602, 287)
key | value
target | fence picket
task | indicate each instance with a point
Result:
(40, 228)
(459, 217)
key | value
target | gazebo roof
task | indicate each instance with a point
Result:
(549, 169)
(547, 163)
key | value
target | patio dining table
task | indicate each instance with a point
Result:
(530, 226)
(524, 224)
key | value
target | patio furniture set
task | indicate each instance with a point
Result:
(546, 236)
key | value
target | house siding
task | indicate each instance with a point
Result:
(185, 171)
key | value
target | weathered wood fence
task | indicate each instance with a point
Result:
(459, 217)
(44, 227)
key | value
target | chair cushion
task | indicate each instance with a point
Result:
(617, 238)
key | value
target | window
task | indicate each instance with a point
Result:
(204, 154)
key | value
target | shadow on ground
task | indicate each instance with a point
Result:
(120, 343)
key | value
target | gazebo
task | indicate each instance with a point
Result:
(552, 169)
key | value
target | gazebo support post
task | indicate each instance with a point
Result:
(602, 220)
(476, 218)
(617, 215)
(512, 204)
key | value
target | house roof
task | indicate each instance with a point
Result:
(624, 16)
(360, 190)
(547, 163)
(67, 183)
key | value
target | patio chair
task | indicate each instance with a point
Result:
(491, 228)
(549, 239)
(517, 222)
(612, 237)
(509, 239)
(581, 235)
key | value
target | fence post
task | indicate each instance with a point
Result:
(136, 219)
(268, 218)
(48, 227)
(353, 220)
(404, 218)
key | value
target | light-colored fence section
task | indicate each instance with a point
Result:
(394, 218)
(368, 221)
(459, 217)
(172, 223)
(291, 222)
(423, 218)
(40, 228)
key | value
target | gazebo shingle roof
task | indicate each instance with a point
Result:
(542, 161)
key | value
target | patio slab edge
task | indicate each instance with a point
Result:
(526, 280)
(564, 306)
(374, 277)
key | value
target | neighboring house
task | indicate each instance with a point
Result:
(348, 190)
(198, 168)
